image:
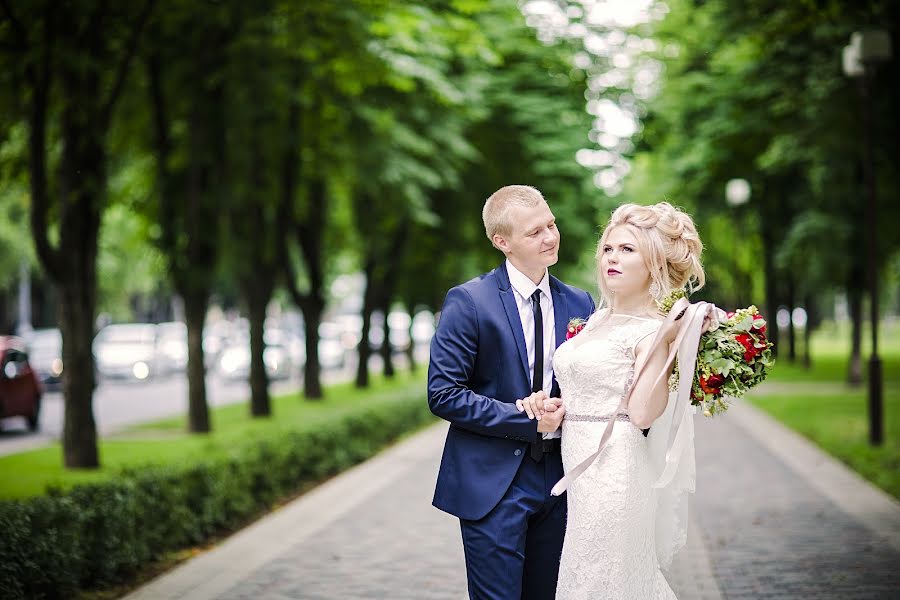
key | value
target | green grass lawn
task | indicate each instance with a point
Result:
(830, 354)
(166, 442)
(818, 403)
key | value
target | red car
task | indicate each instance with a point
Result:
(20, 391)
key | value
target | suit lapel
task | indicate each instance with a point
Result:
(560, 312)
(561, 319)
(507, 297)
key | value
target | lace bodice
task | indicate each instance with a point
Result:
(595, 368)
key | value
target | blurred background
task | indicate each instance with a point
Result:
(198, 197)
(227, 229)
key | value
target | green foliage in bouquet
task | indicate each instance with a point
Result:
(732, 359)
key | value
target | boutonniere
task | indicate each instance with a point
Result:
(574, 327)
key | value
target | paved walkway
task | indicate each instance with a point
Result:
(773, 518)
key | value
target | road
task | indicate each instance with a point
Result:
(120, 404)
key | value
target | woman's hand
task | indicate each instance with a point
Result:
(669, 330)
(714, 317)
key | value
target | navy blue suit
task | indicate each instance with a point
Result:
(478, 369)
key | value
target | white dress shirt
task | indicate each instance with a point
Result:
(523, 288)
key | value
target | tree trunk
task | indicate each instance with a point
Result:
(809, 304)
(260, 405)
(195, 305)
(363, 350)
(312, 306)
(387, 289)
(387, 354)
(309, 233)
(188, 214)
(257, 270)
(83, 183)
(91, 75)
(312, 309)
(855, 300)
(411, 349)
(769, 274)
(792, 333)
(76, 321)
(311, 240)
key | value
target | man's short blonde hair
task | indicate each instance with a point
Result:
(495, 213)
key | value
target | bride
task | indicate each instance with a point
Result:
(622, 529)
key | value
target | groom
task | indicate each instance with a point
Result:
(493, 346)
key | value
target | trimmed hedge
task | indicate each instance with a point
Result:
(97, 535)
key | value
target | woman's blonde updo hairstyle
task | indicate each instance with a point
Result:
(668, 241)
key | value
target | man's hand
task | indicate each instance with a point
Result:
(537, 404)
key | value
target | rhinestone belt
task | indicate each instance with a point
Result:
(596, 418)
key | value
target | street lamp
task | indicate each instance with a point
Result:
(860, 58)
(737, 193)
(24, 328)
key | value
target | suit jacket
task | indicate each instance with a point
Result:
(478, 369)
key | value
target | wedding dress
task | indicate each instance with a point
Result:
(616, 540)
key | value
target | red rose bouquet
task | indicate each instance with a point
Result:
(732, 358)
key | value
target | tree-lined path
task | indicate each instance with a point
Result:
(773, 518)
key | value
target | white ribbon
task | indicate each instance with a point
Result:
(686, 346)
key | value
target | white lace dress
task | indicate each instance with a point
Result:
(609, 550)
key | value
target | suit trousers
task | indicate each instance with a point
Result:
(513, 552)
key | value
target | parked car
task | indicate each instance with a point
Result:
(20, 390)
(45, 357)
(234, 361)
(172, 346)
(127, 351)
(216, 337)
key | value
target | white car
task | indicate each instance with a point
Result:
(45, 356)
(234, 361)
(172, 346)
(127, 351)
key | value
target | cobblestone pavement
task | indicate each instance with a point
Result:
(394, 544)
(369, 533)
(758, 530)
(771, 534)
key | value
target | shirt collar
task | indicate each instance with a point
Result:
(525, 286)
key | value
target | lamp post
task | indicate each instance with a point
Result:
(860, 58)
(737, 193)
(24, 328)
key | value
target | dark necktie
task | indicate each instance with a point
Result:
(537, 380)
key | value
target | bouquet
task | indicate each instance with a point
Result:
(732, 359)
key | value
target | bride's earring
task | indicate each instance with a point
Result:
(654, 291)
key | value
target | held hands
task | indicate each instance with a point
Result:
(549, 412)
